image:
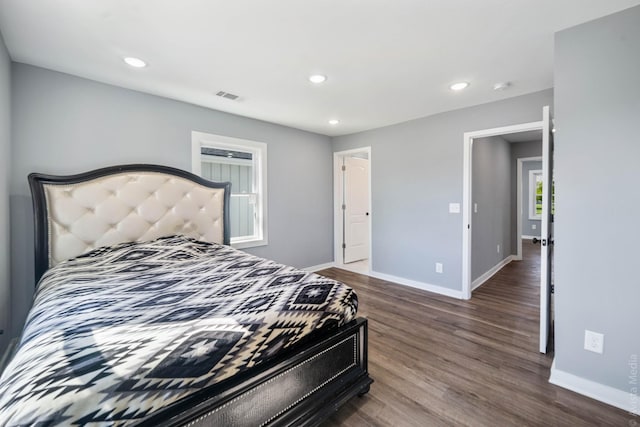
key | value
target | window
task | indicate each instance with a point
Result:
(244, 164)
(535, 195)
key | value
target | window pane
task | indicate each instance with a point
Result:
(240, 175)
(535, 194)
(538, 194)
(539, 205)
(242, 211)
(239, 172)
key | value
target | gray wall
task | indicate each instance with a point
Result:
(64, 124)
(527, 223)
(416, 171)
(5, 170)
(597, 106)
(491, 192)
(520, 150)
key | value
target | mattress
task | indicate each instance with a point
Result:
(122, 332)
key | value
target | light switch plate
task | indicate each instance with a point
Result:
(454, 207)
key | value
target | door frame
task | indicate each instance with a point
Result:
(467, 203)
(520, 200)
(337, 207)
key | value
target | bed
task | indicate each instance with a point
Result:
(144, 315)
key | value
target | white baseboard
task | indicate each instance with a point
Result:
(604, 393)
(319, 267)
(527, 237)
(420, 285)
(489, 274)
(351, 269)
(399, 280)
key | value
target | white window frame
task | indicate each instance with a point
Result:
(259, 151)
(532, 194)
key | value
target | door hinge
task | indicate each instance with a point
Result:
(553, 289)
(344, 207)
(344, 246)
(344, 168)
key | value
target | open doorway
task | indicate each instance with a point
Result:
(502, 165)
(498, 251)
(529, 193)
(352, 209)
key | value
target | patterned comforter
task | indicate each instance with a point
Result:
(124, 331)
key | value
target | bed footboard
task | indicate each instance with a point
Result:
(302, 389)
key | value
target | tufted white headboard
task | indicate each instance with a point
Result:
(129, 203)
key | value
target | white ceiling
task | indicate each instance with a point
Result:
(386, 61)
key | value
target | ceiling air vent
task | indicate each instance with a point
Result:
(227, 95)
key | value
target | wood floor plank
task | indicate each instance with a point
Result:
(438, 361)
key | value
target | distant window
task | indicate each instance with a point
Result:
(535, 194)
(244, 164)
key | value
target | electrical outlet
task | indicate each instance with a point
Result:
(498, 250)
(454, 207)
(593, 341)
(475, 208)
(438, 267)
(533, 226)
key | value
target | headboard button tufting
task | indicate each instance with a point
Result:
(125, 203)
(130, 206)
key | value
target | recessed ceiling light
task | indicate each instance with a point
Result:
(334, 122)
(317, 78)
(502, 86)
(459, 86)
(135, 62)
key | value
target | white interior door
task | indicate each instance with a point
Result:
(356, 209)
(546, 232)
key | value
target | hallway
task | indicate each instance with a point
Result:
(514, 292)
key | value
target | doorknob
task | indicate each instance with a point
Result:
(535, 240)
(367, 214)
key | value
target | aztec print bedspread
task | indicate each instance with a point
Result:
(123, 331)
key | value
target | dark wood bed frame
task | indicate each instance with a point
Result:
(301, 387)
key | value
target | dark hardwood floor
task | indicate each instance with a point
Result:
(441, 361)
